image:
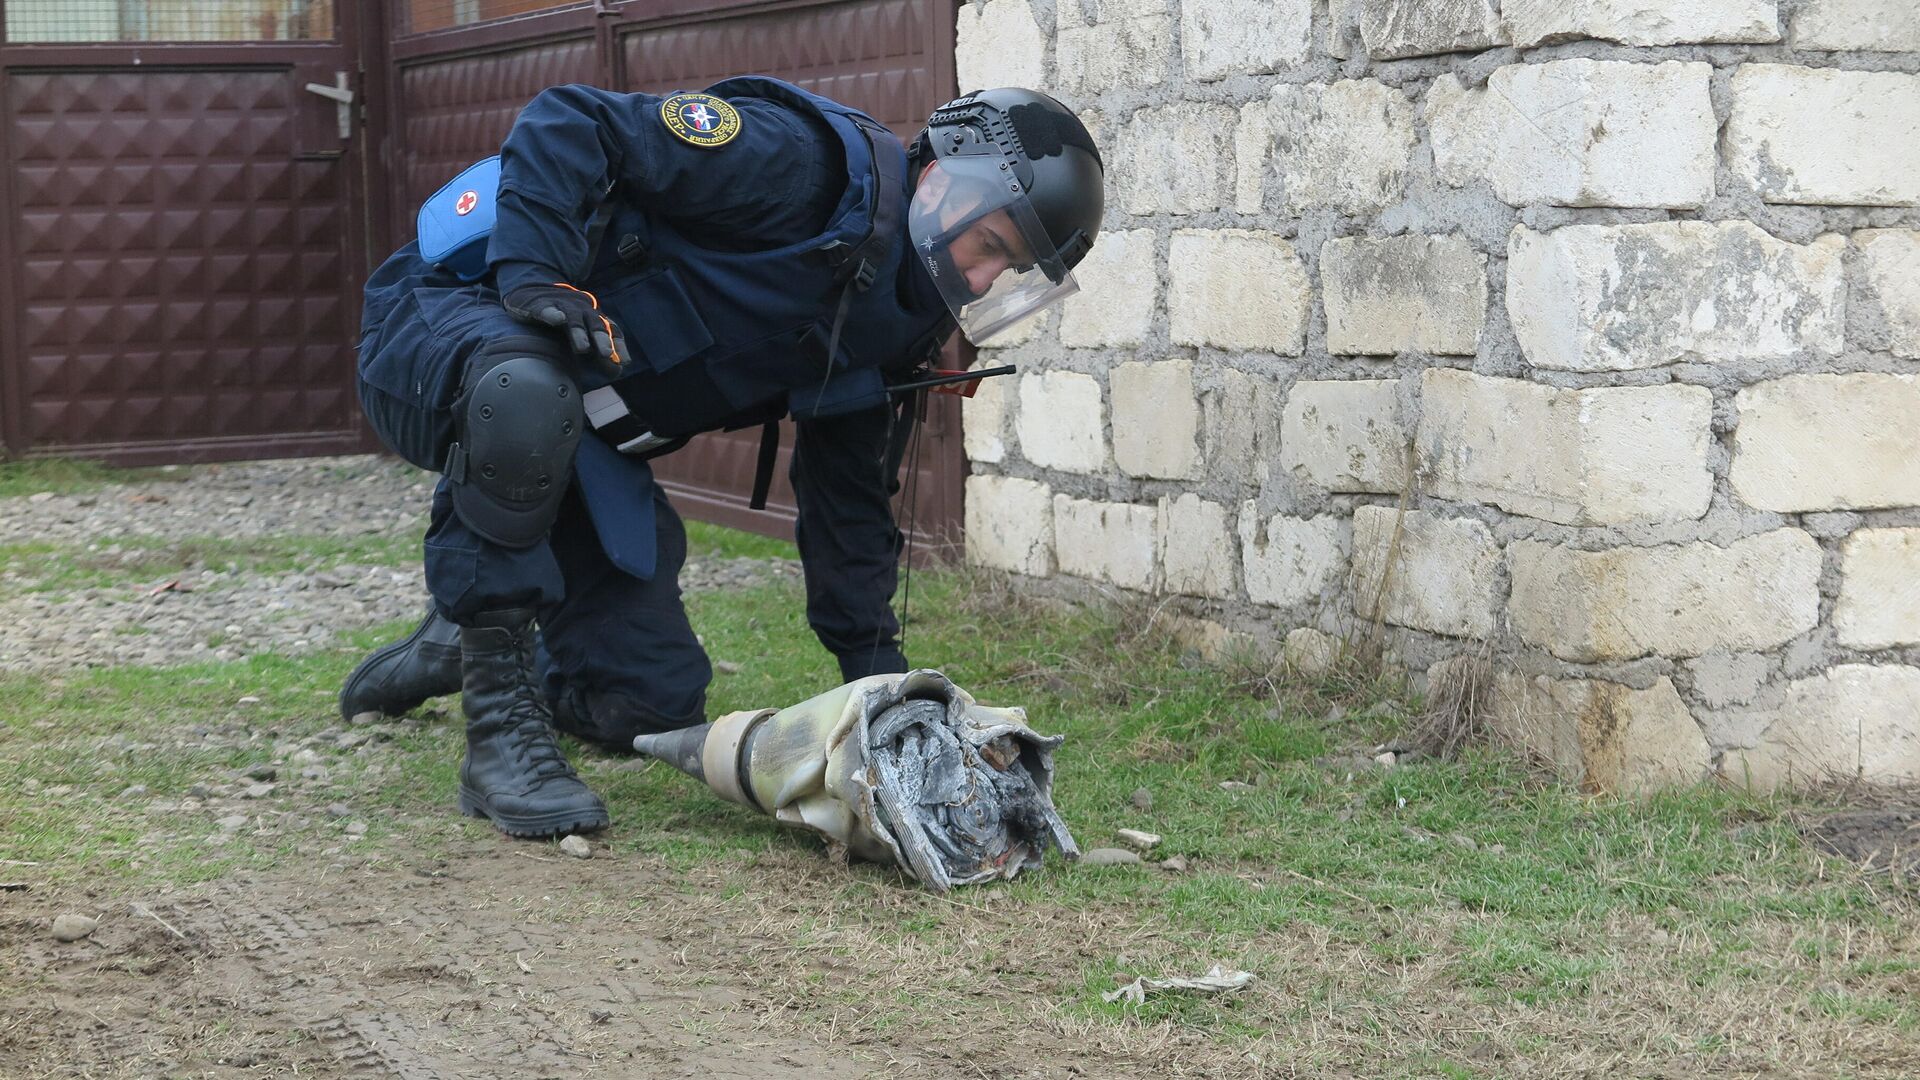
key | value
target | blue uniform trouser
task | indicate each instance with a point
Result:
(611, 641)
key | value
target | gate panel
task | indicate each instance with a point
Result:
(180, 274)
(183, 229)
(453, 111)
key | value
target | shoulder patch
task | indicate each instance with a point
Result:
(700, 119)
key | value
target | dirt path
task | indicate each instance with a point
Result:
(466, 969)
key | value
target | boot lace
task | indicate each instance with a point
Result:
(532, 734)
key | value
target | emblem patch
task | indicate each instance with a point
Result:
(468, 200)
(700, 119)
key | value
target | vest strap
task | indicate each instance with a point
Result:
(763, 468)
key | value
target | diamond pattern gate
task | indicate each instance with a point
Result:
(182, 244)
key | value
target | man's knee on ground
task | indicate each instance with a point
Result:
(517, 426)
(612, 719)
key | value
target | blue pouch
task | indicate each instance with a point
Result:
(455, 221)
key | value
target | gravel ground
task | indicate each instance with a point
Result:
(214, 613)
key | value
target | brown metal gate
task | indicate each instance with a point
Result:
(456, 89)
(185, 223)
(182, 237)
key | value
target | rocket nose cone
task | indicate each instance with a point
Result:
(680, 749)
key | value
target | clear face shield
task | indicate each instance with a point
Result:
(977, 237)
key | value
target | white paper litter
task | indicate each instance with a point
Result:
(1217, 980)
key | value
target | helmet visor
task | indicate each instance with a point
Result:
(978, 238)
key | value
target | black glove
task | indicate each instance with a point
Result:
(591, 335)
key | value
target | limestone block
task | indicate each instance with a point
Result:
(983, 422)
(1235, 419)
(1312, 652)
(1676, 600)
(1219, 38)
(1252, 139)
(1722, 678)
(1287, 560)
(1879, 589)
(1424, 571)
(1237, 289)
(1156, 419)
(1605, 456)
(1828, 442)
(1214, 642)
(1129, 45)
(1890, 263)
(1119, 288)
(1856, 721)
(1620, 297)
(1391, 29)
(999, 43)
(1176, 159)
(1061, 423)
(1826, 137)
(1343, 146)
(1866, 25)
(1345, 435)
(1196, 547)
(1010, 524)
(1580, 133)
(1112, 542)
(1602, 735)
(1641, 22)
(1403, 294)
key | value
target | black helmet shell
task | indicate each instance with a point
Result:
(1043, 144)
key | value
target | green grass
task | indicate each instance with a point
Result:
(1363, 899)
(717, 542)
(68, 476)
(43, 567)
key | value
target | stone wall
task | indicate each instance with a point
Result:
(1580, 334)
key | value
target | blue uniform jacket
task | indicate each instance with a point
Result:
(715, 263)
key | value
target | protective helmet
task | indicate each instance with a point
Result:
(1011, 205)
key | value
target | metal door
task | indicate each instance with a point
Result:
(183, 233)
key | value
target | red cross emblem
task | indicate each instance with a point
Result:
(468, 200)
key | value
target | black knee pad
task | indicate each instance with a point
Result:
(517, 424)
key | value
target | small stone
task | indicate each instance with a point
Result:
(339, 810)
(232, 823)
(133, 791)
(1174, 864)
(1141, 841)
(1142, 799)
(577, 847)
(1235, 785)
(262, 772)
(356, 828)
(40, 497)
(257, 791)
(200, 791)
(72, 927)
(1386, 759)
(248, 700)
(726, 667)
(1107, 856)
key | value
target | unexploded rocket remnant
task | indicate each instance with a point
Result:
(904, 769)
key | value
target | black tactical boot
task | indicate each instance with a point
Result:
(514, 773)
(397, 678)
